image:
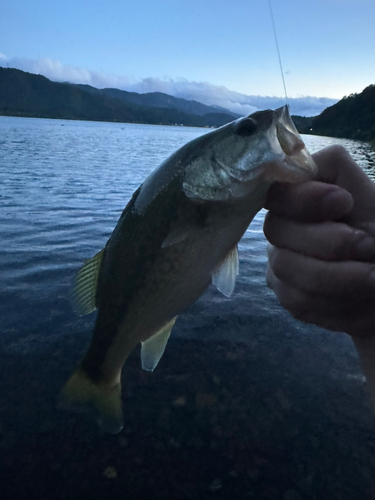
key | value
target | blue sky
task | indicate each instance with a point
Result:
(216, 51)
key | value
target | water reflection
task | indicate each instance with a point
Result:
(362, 152)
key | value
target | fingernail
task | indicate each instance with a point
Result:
(337, 203)
(365, 248)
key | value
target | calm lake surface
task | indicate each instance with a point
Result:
(63, 186)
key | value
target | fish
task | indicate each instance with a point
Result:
(177, 235)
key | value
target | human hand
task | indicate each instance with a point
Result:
(322, 252)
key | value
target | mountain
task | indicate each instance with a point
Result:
(26, 94)
(353, 117)
(303, 123)
(157, 100)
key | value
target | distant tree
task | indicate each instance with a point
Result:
(353, 117)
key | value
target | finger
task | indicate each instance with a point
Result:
(309, 201)
(325, 241)
(300, 304)
(350, 316)
(320, 277)
(336, 166)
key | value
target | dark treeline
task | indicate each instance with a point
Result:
(26, 94)
(303, 123)
(353, 118)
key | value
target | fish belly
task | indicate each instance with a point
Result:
(180, 275)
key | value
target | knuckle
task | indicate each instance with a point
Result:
(338, 150)
(295, 302)
(269, 227)
(270, 278)
(342, 240)
(278, 261)
(334, 152)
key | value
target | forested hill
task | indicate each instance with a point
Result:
(26, 94)
(157, 100)
(353, 117)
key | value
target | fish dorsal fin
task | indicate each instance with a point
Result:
(153, 348)
(83, 291)
(224, 278)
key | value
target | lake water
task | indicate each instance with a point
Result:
(63, 185)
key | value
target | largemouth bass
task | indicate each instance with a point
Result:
(177, 235)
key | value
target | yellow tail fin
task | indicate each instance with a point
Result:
(80, 394)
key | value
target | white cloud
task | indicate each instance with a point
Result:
(204, 92)
(58, 72)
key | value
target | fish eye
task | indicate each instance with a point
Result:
(245, 127)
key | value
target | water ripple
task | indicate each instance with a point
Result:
(62, 189)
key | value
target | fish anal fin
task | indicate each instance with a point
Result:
(81, 394)
(83, 291)
(224, 278)
(153, 348)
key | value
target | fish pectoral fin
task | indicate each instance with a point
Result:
(180, 231)
(175, 236)
(82, 394)
(224, 278)
(83, 291)
(153, 348)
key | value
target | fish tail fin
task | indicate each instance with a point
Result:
(82, 394)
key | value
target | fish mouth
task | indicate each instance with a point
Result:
(296, 155)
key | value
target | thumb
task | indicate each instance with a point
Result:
(336, 166)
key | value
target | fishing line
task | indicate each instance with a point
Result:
(278, 50)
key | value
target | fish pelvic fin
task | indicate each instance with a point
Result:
(81, 394)
(224, 278)
(83, 291)
(153, 348)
